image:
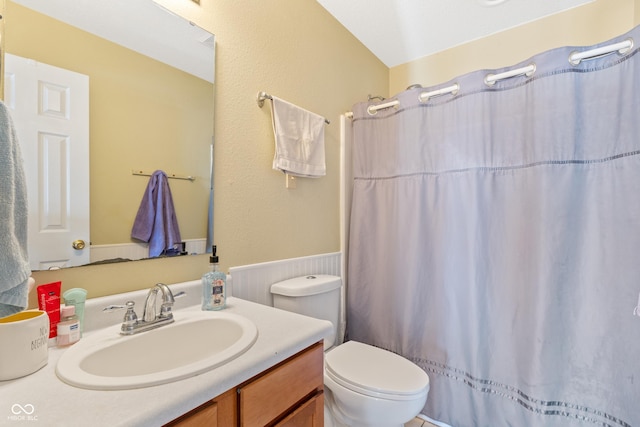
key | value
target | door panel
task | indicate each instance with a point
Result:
(50, 108)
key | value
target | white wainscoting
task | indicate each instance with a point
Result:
(253, 282)
(134, 251)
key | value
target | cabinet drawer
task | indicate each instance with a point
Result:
(274, 393)
(309, 414)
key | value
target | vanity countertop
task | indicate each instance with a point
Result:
(54, 403)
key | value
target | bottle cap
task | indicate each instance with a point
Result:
(67, 310)
(213, 259)
(75, 295)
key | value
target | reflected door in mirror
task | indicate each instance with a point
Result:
(50, 107)
(151, 107)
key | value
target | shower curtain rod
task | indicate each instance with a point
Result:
(262, 96)
(575, 58)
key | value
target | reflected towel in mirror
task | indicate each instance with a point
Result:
(156, 222)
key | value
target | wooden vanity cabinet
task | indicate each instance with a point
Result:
(289, 394)
(218, 412)
(284, 391)
(309, 414)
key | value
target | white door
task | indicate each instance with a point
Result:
(50, 108)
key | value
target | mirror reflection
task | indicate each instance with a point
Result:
(145, 113)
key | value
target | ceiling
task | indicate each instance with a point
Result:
(162, 35)
(399, 31)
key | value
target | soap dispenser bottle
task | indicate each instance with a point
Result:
(214, 286)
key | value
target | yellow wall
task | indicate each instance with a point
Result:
(296, 50)
(128, 93)
(292, 49)
(582, 26)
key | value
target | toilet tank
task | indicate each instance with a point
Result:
(316, 296)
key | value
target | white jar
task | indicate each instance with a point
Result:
(24, 337)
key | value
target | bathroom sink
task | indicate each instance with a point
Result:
(196, 342)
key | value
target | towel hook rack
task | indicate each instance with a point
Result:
(169, 175)
(263, 96)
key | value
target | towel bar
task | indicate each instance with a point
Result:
(169, 175)
(262, 96)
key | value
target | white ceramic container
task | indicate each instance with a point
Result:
(24, 339)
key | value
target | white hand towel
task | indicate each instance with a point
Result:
(299, 137)
(14, 261)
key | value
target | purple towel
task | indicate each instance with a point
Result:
(156, 221)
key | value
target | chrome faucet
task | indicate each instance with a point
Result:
(149, 314)
(132, 325)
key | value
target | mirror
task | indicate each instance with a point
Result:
(150, 108)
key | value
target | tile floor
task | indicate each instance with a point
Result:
(417, 422)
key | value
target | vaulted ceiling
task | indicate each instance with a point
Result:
(400, 31)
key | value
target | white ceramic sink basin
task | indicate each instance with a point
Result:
(196, 342)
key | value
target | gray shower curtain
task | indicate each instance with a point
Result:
(495, 242)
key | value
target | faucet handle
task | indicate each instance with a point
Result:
(130, 317)
(129, 306)
(166, 307)
(165, 310)
(110, 308)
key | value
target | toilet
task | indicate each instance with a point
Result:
(365, 386)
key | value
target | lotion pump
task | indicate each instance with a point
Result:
(214, 285)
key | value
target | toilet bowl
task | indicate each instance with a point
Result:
(365, 386)
(373, 387)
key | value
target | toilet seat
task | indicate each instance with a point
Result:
(357, 366)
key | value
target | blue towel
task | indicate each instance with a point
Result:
(156, 221)
(14, 259)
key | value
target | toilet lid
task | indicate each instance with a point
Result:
(375, 372)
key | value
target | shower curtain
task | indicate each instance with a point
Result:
(495, 241)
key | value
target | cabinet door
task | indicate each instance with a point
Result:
(206, 415)
(272, 395)
(309, 414)
(219, 412)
